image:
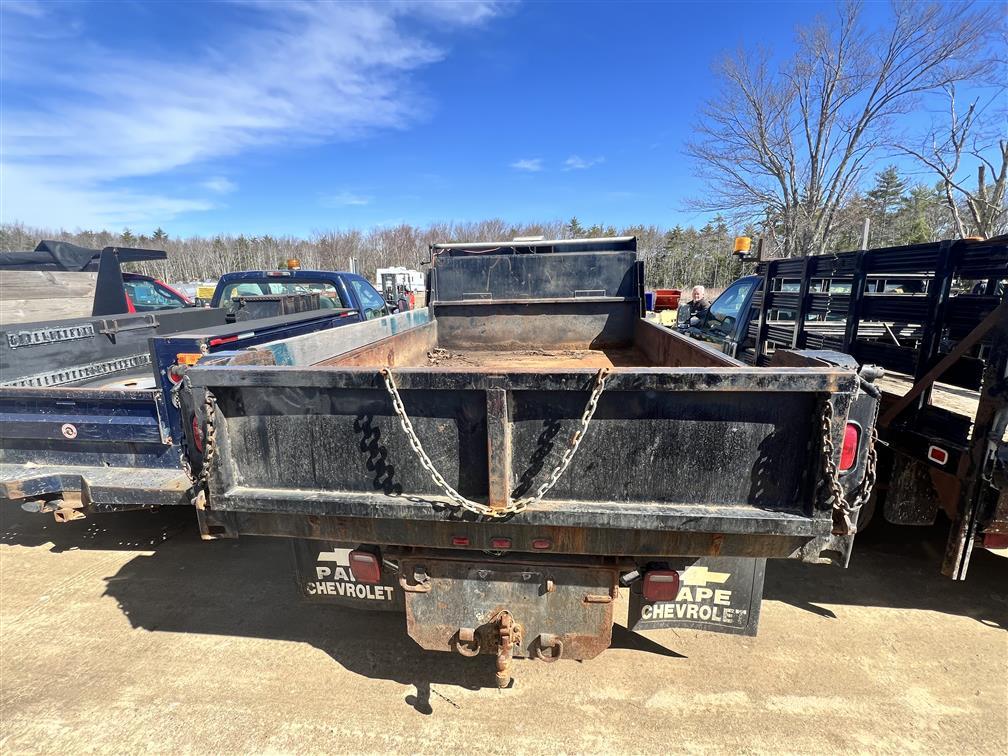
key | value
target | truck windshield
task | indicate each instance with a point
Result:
(148, 296)
(329, 296)
(725, 309)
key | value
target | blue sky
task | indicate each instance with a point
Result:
(286, 118)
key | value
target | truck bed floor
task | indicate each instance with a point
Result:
(535, 359)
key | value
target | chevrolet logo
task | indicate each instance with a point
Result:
(699, 575)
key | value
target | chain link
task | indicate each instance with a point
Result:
(209, 436)
(514, 505)
(840, 503)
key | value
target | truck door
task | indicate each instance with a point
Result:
(721, 323)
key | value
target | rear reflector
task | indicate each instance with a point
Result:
(541, 544)
(197, 433)
(460, 540)
(223, 340)
(365, 567)
(188, 358)
(850, 443)
(661, 585)
(500, 543)
(937, 455)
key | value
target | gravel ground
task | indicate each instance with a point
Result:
(127, 633)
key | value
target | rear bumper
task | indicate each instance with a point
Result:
(560, 527)
(101, 489)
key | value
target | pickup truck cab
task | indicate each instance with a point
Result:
(335, 289)
(723, 324)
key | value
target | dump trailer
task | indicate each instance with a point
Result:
(498, 465)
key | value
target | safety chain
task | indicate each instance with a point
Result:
(514, 505)
(836, 492)
(209, 436)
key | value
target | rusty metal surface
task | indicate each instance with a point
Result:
(405, 348)
(641, 533)
(104, 489)
(562, 325)
(666, 347)
(532, 359)
(471, 596)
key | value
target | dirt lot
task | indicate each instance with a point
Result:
(128, 633)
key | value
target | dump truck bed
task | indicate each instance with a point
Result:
(503, 460)
(471, 406)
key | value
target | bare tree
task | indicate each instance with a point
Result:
(963, 136)
(788, 146)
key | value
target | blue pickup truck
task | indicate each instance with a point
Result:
(89, 418)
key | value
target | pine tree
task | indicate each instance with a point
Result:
(160, 235)
(915, 226)
(883, 201)
(127, 237)
(574, 228)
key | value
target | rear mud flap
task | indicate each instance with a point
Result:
(720, 594)
(324, 576)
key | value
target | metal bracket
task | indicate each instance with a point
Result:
(111, 328)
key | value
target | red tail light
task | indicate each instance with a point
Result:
(129, 304)
(661, 585)
(365, 567)
(197, 433)
(850, 444)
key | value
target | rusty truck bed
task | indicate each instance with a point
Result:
(535, 359)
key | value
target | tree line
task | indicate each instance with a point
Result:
(682, 256)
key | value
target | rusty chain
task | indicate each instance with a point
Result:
(514, 505)
(837, 498)
(209, 436)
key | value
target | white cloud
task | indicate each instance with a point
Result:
(282, 73)
(31, 8)
(344, 199)
(219, 185)
(47, 202)
(576, 162)
(528, 164)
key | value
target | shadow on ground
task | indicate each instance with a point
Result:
(247, 588)
(896, 567)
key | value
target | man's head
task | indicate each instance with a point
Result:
(699, 292)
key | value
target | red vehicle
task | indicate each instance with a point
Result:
(146, 294)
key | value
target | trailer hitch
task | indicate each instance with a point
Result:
(506, 633)
(509, 634)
